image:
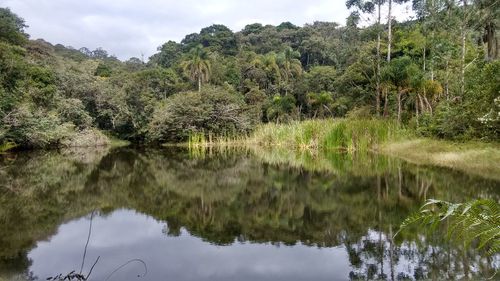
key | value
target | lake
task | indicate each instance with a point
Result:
(227, 214)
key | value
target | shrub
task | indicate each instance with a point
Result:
(103, 70)
(211, 111)
(30, 127)
(73, 110)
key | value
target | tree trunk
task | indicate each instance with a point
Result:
(424, 66)
(447, 80)
(422, 106)
(491, 42)
(199, 83)
(416, 109)
(385, 103)
(462, 60)
(389, 34)
(377, 94)
(428, 104)
(399, 105)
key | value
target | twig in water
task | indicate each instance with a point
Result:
(88, 239)
(127, 263)
(92, 268)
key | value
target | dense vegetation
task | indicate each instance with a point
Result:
(438, 74)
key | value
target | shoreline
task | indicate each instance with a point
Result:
(474, 157)
(362, 136)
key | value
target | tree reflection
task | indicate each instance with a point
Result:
(354, 201)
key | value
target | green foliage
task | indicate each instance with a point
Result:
(30, 127)
(12, 66)
(12, 28)
(103, 70)
(169, 54)
(321, 78)
(211, 111)
(74, 111)
(197, 66)
(282, 109)
(284, 73)
(321, 104)
(476, 221)
(476, 115)
(329, 134)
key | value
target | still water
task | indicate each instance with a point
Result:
(174, 214)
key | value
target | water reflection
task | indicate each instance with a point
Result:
(245, 215)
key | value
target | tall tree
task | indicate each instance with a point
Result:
(369, 7)
(403, 74)
(12, 27)
(197, 66)
(169, 54)
(291, 65)
(389, 26)
(489, 15)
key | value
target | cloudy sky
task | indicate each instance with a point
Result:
(129, 28)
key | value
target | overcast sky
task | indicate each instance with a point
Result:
(127, 28)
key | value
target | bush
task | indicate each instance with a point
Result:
(103, 70)
(282, 109)
(30, 127)
(73, 110)
(213, 111)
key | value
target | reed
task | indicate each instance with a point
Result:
(197, 140)
(333, 134)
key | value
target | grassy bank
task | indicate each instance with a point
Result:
(383, 137)
(331, 134)
(473, 157)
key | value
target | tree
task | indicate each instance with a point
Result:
(169, 54)
(99, 53)
(12, 27)
(489, 17)
(218, 38)
(321, 78)
(290, 66)
(321, 104)
(252, 28)
(103, 70)
(211, 111)
(197, 66)
(369, 7)
(402, 73)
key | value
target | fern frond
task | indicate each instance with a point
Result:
(478, 220)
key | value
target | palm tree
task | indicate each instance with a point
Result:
(271, 68)
(291, 65)
(198, 66)
(404, 75)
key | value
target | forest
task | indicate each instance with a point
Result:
(437, 75)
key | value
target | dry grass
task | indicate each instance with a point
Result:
(473, 157)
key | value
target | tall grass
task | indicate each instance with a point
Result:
(333, 134)
(325, 135)
(197, 140)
